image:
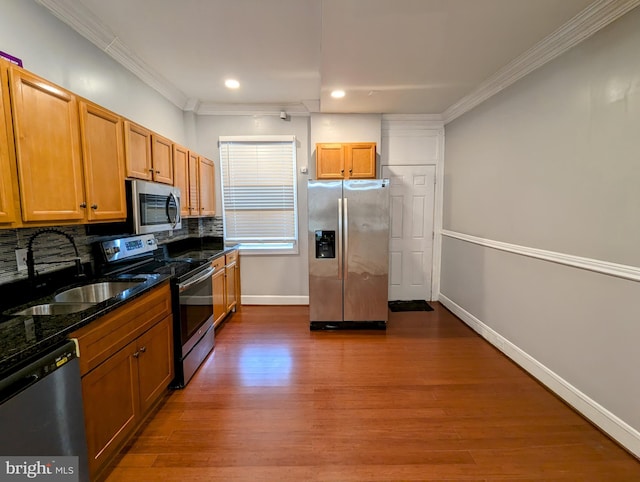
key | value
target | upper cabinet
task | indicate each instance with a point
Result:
(162, 159)
(194, 184)
(137, 149)
(148, 156)
(346, 161)
(181, 176)
(47, 146)
(207, 177)
(8, 180)
(186, 176)
(103, 160)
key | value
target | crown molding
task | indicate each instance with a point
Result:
(582, 26)
(83, 21)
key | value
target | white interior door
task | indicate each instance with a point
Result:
(411, 231)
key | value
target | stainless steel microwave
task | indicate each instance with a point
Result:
(155, 207)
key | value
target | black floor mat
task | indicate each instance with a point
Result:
(413, 305)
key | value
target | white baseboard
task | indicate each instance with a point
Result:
(274, 300)
(609, 423)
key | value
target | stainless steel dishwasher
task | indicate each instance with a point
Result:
(41, 410)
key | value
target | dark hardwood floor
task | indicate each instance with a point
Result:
(426, 400)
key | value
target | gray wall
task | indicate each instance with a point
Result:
(553, 163)
(51, 49)
(266, 279)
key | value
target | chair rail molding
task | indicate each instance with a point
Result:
(623, 271)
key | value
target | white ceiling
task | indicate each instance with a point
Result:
(390, 56)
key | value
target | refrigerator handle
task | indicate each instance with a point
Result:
(346, 239)
(340, 238)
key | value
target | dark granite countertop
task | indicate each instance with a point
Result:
(23, 338)
(208, 248)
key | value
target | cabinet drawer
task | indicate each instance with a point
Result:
(218, 263)
(231, 257)
(106, 335)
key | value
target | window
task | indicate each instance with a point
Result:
(259, 195)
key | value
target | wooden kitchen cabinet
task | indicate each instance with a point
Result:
(47, 147)
(186, 177)
(207, 198)
(111, 406)
(126, 365)
(219, 291)
(194, 184)
(162, 159)
(231, 283)
(148, 156)
(181, 176)
(8, 177)
(103, 161)
(346, 160)
(137, 149)
(155, 362)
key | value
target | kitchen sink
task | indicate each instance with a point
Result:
(54, 309)
(95, 292)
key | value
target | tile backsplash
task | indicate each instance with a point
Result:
(56, 249)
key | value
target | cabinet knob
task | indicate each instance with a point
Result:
(350, 171)
(83, 205)
(151, 171)
(143, 349)
(136, 354)
(94, 206)
(157, 172)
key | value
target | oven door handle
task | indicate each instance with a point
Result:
(192, 281)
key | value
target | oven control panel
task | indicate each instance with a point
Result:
(123, 248)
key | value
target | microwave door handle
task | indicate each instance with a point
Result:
(173, 220)
(191, 281)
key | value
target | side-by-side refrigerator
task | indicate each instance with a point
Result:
(348, 253)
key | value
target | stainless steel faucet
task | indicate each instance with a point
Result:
(31, 265)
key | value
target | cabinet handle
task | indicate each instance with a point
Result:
(136, 354)
(157, 172)
(151, 171)
(83, 205)
(350, 171)
(342, 171)
(143, 349)
(94, 206)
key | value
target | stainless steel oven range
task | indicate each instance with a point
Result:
(191, 288)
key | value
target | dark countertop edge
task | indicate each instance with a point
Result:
(70, 322)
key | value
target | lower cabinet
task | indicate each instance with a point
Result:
(126, 366)
(219, 294)
(230, 280)
(226, 285)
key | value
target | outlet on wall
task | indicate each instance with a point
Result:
(21, 259)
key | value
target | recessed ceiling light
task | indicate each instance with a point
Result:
(337, 94)
(232, 83)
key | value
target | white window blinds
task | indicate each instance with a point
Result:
(259, 191)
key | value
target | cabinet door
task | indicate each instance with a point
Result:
(7, 164)
(103, 160)
(137, 149)
(230, 285)
(219, 301)
(47, 134)
(181, 176)
(207, 198)
(360, 161)
(330, 161)
(111, 405)
(194, 184)
(162, 159)
(155, 362)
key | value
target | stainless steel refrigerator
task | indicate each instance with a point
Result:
(348, 253)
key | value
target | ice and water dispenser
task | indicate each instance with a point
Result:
(325, 244)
